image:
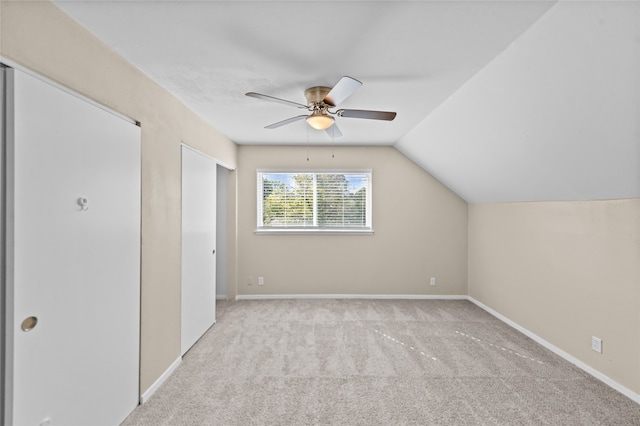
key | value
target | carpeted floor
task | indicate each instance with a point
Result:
(375, 362)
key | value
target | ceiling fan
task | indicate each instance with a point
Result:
(320, 101)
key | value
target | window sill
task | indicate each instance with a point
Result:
(308, 231)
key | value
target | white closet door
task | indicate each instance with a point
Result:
(198, 246)
(76, 259)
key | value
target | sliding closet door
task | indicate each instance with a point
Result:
(198, 246)
(74, 207)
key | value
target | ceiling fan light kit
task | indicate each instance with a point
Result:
(320, 99)
(320, 120)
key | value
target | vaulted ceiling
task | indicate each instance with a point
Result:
(501, 101)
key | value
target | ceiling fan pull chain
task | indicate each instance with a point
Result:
(307, 127)
(333, 141)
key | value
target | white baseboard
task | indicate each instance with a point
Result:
(590, 370)
(147, 394)
(221, 297)
(350, 296)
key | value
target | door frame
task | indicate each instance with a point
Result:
(7, 241)
(7, 310)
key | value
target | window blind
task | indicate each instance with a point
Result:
(321, 200)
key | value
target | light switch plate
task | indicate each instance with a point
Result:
(596, 344)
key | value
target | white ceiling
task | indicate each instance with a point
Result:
(501, 101)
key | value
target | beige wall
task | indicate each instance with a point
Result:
(420, 230)
(40, 37)
(565, 271)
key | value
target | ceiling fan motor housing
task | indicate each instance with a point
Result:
(315, 95)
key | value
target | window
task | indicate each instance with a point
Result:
(316, 201)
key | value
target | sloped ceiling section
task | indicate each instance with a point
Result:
(410, 55)
(556, 116)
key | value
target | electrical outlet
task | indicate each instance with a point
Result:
(250, 280)
(260, 280)
(596, 344)
(432, 281)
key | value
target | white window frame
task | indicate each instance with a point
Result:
(313, 229)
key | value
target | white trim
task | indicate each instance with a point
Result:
(66, 89)
(311, 230)
(215, 160)
(315, 170)
(221, 297)
(350, 296)
(7, 244)
(154, 387)
(592, 371)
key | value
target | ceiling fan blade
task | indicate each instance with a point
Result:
(334, 131)
(342, 90)
(363, 113)
(287, 121)
(273, 99)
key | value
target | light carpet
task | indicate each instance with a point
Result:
(375, 362)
